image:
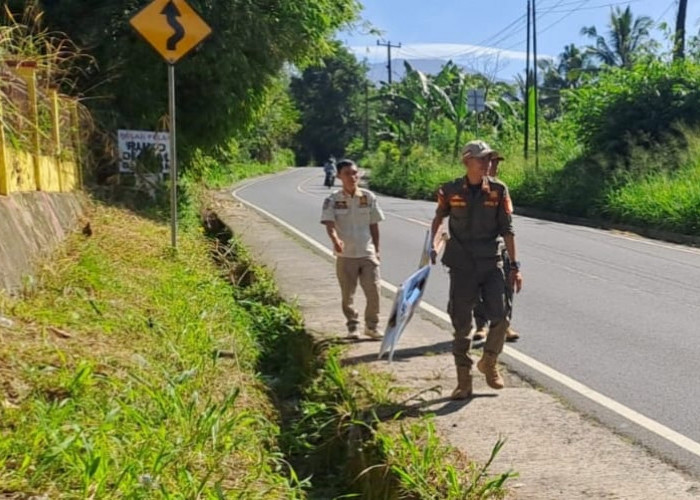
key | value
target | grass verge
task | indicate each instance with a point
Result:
(129, 371)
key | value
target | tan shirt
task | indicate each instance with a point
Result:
(352, 216)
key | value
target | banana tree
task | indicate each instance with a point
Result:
(413, 102)
(454, 104)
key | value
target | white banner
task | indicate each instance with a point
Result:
(133, 142)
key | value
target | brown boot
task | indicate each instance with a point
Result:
(481, 333)
(511, 335)
(464, 384)
(488, 365)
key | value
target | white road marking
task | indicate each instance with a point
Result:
(408, 219)
(633, 416)
(303, 183)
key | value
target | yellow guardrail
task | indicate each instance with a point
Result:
(40, 141)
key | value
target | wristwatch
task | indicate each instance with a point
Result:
(515, 265)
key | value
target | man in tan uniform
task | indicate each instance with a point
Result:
(351, 216)
(479, 210)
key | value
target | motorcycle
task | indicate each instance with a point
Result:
(329, 180)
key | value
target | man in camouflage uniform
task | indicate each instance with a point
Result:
(479, 210)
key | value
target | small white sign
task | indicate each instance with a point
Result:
(134, 142)
(476, 100)
(408, 297)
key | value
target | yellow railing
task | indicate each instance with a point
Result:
(38, 151)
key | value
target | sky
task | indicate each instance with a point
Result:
(490, 35)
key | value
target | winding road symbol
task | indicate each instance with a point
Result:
(172, 14)
(172, 27)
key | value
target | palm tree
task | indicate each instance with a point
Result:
(574, 64)
(628, 39)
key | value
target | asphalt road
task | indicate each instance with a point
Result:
(616, 312)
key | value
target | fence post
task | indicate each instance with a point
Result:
(55, 119)
(4, 171)
(77, 146)
(28, 72)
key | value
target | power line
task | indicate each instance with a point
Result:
(600, 6)
(576, 9)
(462, 53)
(572, 11)
(673, 2)
(517, 31)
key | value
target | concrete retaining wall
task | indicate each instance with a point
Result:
(31, 225)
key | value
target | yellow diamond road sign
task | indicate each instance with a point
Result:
(172, 27)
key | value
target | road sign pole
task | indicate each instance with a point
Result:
(173, 156)
(173, 29)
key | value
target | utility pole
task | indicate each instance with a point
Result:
(537, 102)
(679, 39)
(526, 147)
(388, 46)
(366, 115)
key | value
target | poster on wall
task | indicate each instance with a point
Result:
(145, 149)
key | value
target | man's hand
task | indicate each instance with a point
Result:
(433, 256)
(516, 280)
(338, 245)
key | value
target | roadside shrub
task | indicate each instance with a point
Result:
(641, 107)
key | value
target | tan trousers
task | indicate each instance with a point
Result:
(366, 271)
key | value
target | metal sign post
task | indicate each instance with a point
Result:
(173, 156)
(173, 29)
(476, 101)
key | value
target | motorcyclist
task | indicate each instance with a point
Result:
(330, 170)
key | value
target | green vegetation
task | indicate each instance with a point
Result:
(221, 86)
(353, 436)
(23, 42)
(618, 134)
(330, 99)
(130, 372)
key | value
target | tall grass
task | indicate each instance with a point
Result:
(353, 433)
(56, 59)
(664, 200)
(115, 382)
